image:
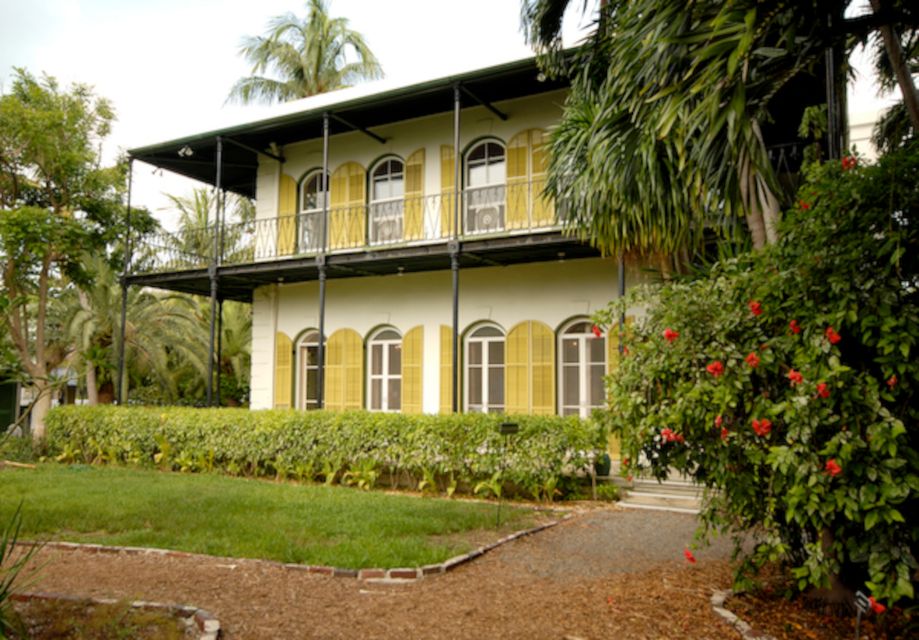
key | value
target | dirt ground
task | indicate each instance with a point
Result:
(603, 574)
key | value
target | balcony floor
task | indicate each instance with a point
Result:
(238, 281)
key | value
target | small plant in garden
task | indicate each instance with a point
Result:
(792, 389)
(10, 569)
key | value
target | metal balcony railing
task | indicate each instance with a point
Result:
(507, 209)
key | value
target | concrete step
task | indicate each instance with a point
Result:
(632, 505)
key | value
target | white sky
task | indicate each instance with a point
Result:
(167, 65)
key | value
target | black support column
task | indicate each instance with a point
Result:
(621, 295)
(320, 261)
(455, 245)
(120, 395)
(212, 273)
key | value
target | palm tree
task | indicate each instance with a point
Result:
(305, 56)
(661, 130)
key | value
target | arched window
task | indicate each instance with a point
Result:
(384, 379)
(387, 193)
(582, 358)
(486, 174)
(308, 371)
(485, 370)
(312, 199)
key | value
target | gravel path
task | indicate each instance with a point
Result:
(602, 574)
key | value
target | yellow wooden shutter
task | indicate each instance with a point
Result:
(344, 371)
(447, 182)
(518, 202)
(446, 369)
(517, 369)
(543, 209)
(412, 378)
(347, 206)
(413, 227)
(542, 359)
(287, 215)
(283, 370)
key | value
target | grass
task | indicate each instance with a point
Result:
(237, 517)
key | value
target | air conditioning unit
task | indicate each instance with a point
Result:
(485, 218)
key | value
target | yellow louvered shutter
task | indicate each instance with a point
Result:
(287, 215)
(542, 362)
(344, 371)
(283, 370)
(517, 369)
(543, 209)
(446, 369)
(347, 219)
(414, 196)
(412, 378)
(518, 202)
(447, 195)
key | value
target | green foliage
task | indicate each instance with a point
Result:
(608, 492)
(10, 568)
(352, 447)
(808, 439)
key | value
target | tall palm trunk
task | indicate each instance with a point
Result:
(900, 68)
(92, 385)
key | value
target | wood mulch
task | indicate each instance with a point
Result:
(605, 573)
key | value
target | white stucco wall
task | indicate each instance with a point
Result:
(551, 292)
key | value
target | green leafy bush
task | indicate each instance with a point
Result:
(436, 452)
(787, 381)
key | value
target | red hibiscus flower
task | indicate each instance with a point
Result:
(832, 467)
(876, 606)
(670, 435)
(832, 336)
(752, 360)
(755, 307)
(689, 557)
(625, 462)
(715, 368)
(892, 381)
(598, 333)
(849, 162)
(762, 427)
(628, 478)
(724, 433)
(823, 390)
(670, 335)
(794, 327)
(804, 204)
(718, 421)
(795, 377)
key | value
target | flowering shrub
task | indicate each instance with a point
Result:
(449, 453)
(795, 384)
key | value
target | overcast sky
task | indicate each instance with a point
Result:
(167, 65)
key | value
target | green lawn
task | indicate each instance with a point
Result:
(237, 517)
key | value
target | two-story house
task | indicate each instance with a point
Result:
(407, 226)
(427, 256)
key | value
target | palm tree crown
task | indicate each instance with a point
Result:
(306, 56)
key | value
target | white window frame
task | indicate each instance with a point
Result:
(584, 338)
(491, 193)
(308, 340)
(391, 208)
(386, 344)
(310, 219)
(487, 405)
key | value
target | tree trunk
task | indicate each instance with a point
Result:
(92, 388)
(40, 408)
(900, 68)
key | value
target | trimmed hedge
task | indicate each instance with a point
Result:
(439, 453)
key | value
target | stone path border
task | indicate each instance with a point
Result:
(401, 573)
(745, 630)
(208, 626)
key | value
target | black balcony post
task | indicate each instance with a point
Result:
(621, 295)
(212, 272)
(120, 395)
(320, 261)
(455, 246)
(219, 345)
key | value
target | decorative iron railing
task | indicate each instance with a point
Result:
(506, 209)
